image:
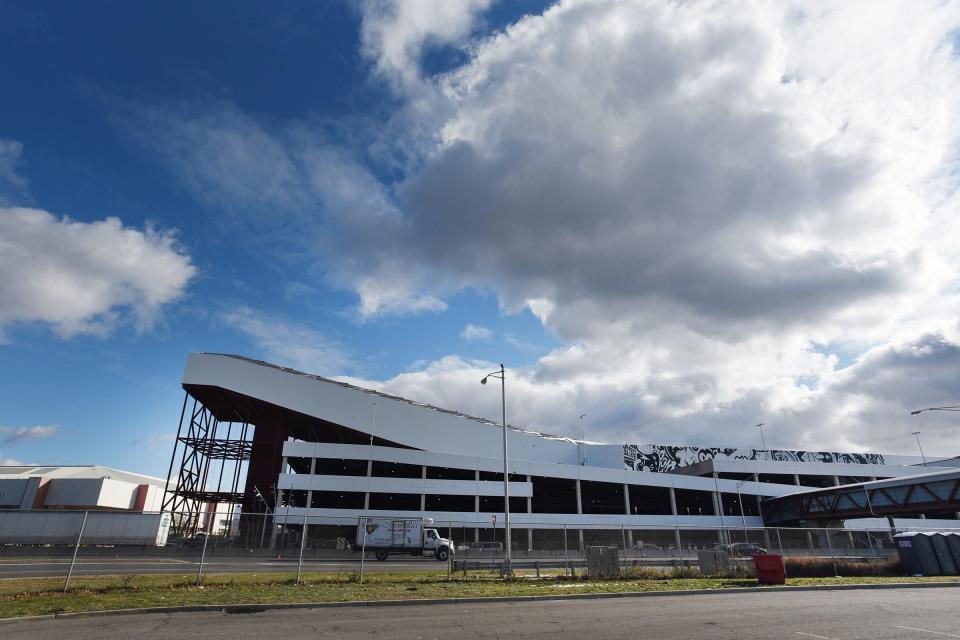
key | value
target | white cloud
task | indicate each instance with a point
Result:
(290, 343)
(82, 277)
(396, 32)
(705, 202)
(157, 441)
(13, 435)
(473, 332)
(11, 462)
(11, 182)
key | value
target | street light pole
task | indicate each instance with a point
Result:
(501, 374)
(916, 434)
(743, 518)
(763, 440)
(583, 436)
(949, 408)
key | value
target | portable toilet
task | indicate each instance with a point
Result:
(917, 554)
(942, 549)
(953, 543)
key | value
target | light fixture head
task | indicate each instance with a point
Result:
(917, 412)
(484, 380)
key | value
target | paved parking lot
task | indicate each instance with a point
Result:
(908, 613)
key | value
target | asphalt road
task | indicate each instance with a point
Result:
(31, 568)
(913, 614)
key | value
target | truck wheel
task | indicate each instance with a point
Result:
(442, 554)
(381, 555)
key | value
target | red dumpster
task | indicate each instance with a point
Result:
(770, 569)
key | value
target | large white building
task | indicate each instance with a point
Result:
(78, 488)
(299, 447)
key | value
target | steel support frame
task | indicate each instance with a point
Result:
(189, 491)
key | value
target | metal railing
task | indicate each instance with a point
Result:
(71, 544)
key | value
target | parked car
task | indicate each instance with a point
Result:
(741, 549)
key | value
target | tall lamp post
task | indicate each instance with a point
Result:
(952, 408)
(763, 440)
(743, 518)
(916, 434)
(583, 437)
(501, 375)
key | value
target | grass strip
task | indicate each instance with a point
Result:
(38, 596)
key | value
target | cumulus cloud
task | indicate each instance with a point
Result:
(287, 342)
(473, 332)
(714, 206)
(85, 277)
(13, 435)
(707, 203)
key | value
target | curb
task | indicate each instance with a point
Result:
(258, 608)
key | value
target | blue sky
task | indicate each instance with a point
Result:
(114, 397)
(346, 187)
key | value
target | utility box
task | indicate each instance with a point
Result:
(603, 562)
(714, 562)
(770, 568)
(917, 554)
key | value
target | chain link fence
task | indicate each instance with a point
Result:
(61, 544)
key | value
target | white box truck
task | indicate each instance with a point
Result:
(412, 536)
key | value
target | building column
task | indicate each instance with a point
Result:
(579, 513)
(529, 511)
(718, 509)
(766, 534)
(476, 506)
(423, 495)
(313, 468)
(626, 508)
(279, 490)
(796, 479)
(673, 510)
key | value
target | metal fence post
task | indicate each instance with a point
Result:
(832, 558)
(623, 534)
(303, 542)
(363, 548)
(76, 548)
(565, 561)
(779, 541)
(203, 556)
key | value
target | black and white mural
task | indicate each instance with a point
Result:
(663, 458)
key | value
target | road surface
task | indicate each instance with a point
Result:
(913, 614)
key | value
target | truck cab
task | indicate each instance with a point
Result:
(441, 547)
